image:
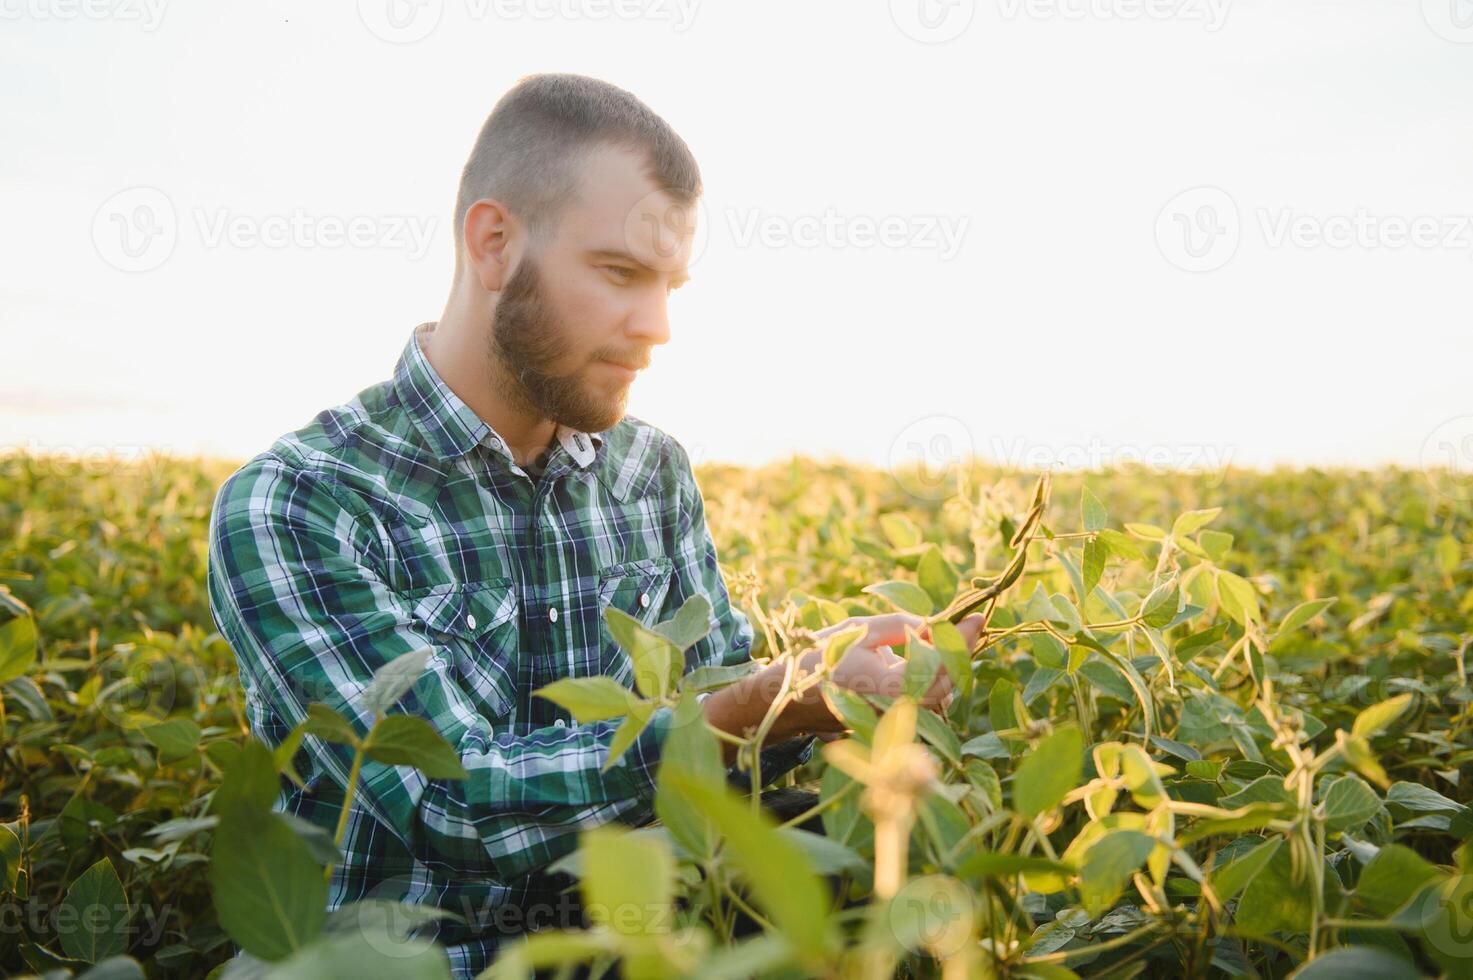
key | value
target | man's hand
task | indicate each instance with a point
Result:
(870, 666)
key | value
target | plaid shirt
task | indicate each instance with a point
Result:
(400, 521)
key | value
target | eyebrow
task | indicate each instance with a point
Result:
(616, 253)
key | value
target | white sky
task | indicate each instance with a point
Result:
(1046, 137)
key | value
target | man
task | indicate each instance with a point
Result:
(490, 502)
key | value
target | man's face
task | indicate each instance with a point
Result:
(573, 324)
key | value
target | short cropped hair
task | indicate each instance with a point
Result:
(530, 152)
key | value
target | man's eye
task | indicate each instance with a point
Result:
(624, 272)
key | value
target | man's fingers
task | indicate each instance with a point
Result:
(971, 628)
(890, 628)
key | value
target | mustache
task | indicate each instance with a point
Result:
(634, 360)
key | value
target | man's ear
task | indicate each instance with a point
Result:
(490, 243)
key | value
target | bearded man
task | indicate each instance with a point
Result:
(490, 502)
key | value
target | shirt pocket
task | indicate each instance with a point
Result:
(638, 588)
(476, 627)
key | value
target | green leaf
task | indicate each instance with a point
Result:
(1264, 789)
(937, 577)
(1192, 521)
(250, 784)
(985, 778)
(900, 531)
(1001, 704)
(93, 923)
(1373, 720)
(838, 644)
(985, 864)
(330, 726)
(1392, 878)
(1160, 606)
(394, 679)
(353, 956)
(1149, 532)
(1215, 544)
(175, 738)
(1227, 881)
(1420, 799)
(906, 596)
(1119, 545)
(640, 713)
(827, 856)
(269, 893)
(691, 753)
(922, 663)
(939, 735)
(588, 698)
(1357, 963)
(17, 648)
(1302, 614)
(654, 657)
(956, 656)
(1048, 772)
(628, 881)
(690, 624)
(782, 879)
(10, 859)
(1238, 598)
(1192, 645)
(1108, 865)
(1274, 901)
(1092, 512)
(409, 740)
(1092, 568)
(1349, 803)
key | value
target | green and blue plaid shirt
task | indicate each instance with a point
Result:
(401, 520)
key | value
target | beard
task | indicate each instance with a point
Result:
(527, 338)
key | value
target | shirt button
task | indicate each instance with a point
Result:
(560, 723)
(552, 615)
(644, 600)
(470, 622)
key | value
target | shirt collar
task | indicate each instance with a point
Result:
(450, 426)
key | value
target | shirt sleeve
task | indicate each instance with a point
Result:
(294, 589)
(697, 571)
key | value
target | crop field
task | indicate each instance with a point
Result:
(1217, 726)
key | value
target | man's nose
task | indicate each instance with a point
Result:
(651, 321)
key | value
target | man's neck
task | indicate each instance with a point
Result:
(459, 356)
